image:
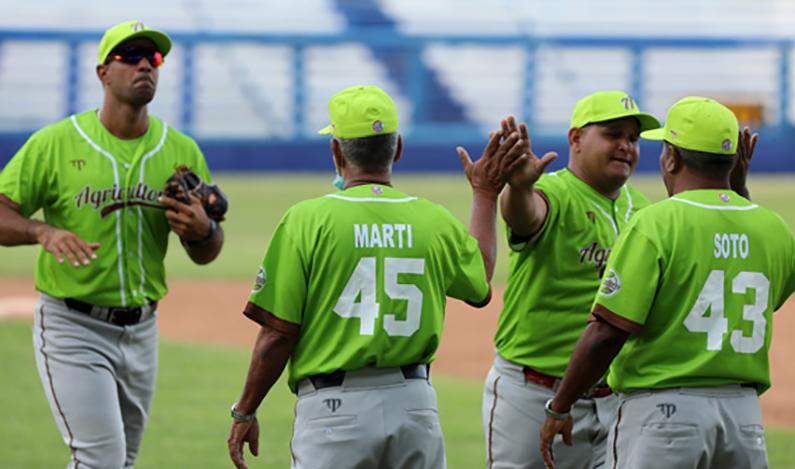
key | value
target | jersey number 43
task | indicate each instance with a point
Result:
(716, 325)
(363, 282)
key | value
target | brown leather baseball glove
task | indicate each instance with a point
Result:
(185, 181)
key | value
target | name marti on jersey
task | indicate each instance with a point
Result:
(384, 235)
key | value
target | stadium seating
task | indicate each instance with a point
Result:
(247, 87)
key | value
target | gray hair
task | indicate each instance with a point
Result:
(706, 164)
(372, 154)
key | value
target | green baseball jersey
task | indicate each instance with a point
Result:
(695, 279)
(553, 277)
(105, 190)
(365, 273)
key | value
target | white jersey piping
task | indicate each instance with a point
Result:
(716, 207)
(118, 214)
(609, 218)
(140, 211)
(370, 199)
(629, 201)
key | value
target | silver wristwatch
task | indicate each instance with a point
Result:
(241, 417)
(554, 414)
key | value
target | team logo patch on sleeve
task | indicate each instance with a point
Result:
(260, 281)
(611, 283)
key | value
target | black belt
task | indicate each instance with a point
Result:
(119, 316)
(330, 380)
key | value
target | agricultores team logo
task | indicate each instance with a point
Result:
(260, 281)
(110, 199)
(611, 284)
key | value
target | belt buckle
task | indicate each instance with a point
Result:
(124, 316)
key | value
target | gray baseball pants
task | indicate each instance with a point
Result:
(376, 419)
(688, 428)
(513, 414)
(99, 379)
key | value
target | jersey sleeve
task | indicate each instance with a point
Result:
(24, 179)
(470, 282)
(789, 286)
(200, 166)
(549, 194)
(281, 285)
(630, 282)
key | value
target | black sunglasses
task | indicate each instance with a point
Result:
(133, 55)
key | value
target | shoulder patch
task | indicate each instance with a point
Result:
(611, 284)
(260, 281)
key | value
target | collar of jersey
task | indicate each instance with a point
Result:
(133, 142)
(366, 191)
(711, 197)
(589, 191)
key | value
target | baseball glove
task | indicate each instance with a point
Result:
(185, 181)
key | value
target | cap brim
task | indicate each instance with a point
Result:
(647, 121)
(161, 40)
(654, 134)
(327, 130)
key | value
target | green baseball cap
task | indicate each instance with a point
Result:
(699, 124)
(361, 111)
(128, 30)
(608, 105)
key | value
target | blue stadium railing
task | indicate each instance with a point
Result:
(430, 142)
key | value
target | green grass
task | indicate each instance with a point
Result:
(190, 418)
(257, 202)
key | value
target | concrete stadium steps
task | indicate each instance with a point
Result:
(329, 69)
(487, 80)
(27, 66)
(243, 90)
(309, 16)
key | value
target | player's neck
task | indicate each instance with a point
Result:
(607, 189)
(693, 183)
(124, 121)
(362, 179)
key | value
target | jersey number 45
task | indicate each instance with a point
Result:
(716, 325)
(363, 282)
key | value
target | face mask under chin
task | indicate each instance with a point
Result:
(338, 182)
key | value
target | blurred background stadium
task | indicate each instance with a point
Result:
(250, 80)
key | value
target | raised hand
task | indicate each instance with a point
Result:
(746, 142)
(490, 172)
(530, 167)
(63, 243)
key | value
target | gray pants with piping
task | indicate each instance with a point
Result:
(376, 419)
(99, 379)
(688, 428)
(513, 414)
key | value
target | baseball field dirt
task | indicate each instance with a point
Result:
(211, 312)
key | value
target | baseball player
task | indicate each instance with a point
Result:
(685, 310)
(352, 291)
(98, 176)
(561, 229)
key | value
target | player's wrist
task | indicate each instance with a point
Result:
(242, 416)
(485, 192)
(551, 411)
(213, 227)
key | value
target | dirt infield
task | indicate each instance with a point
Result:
(210, 312)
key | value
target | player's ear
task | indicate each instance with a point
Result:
(575, 135)
(671, 161)
(102, 70)
(336, 155)
(399, 151)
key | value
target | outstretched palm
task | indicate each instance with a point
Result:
(529, 167)
(490, 172)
